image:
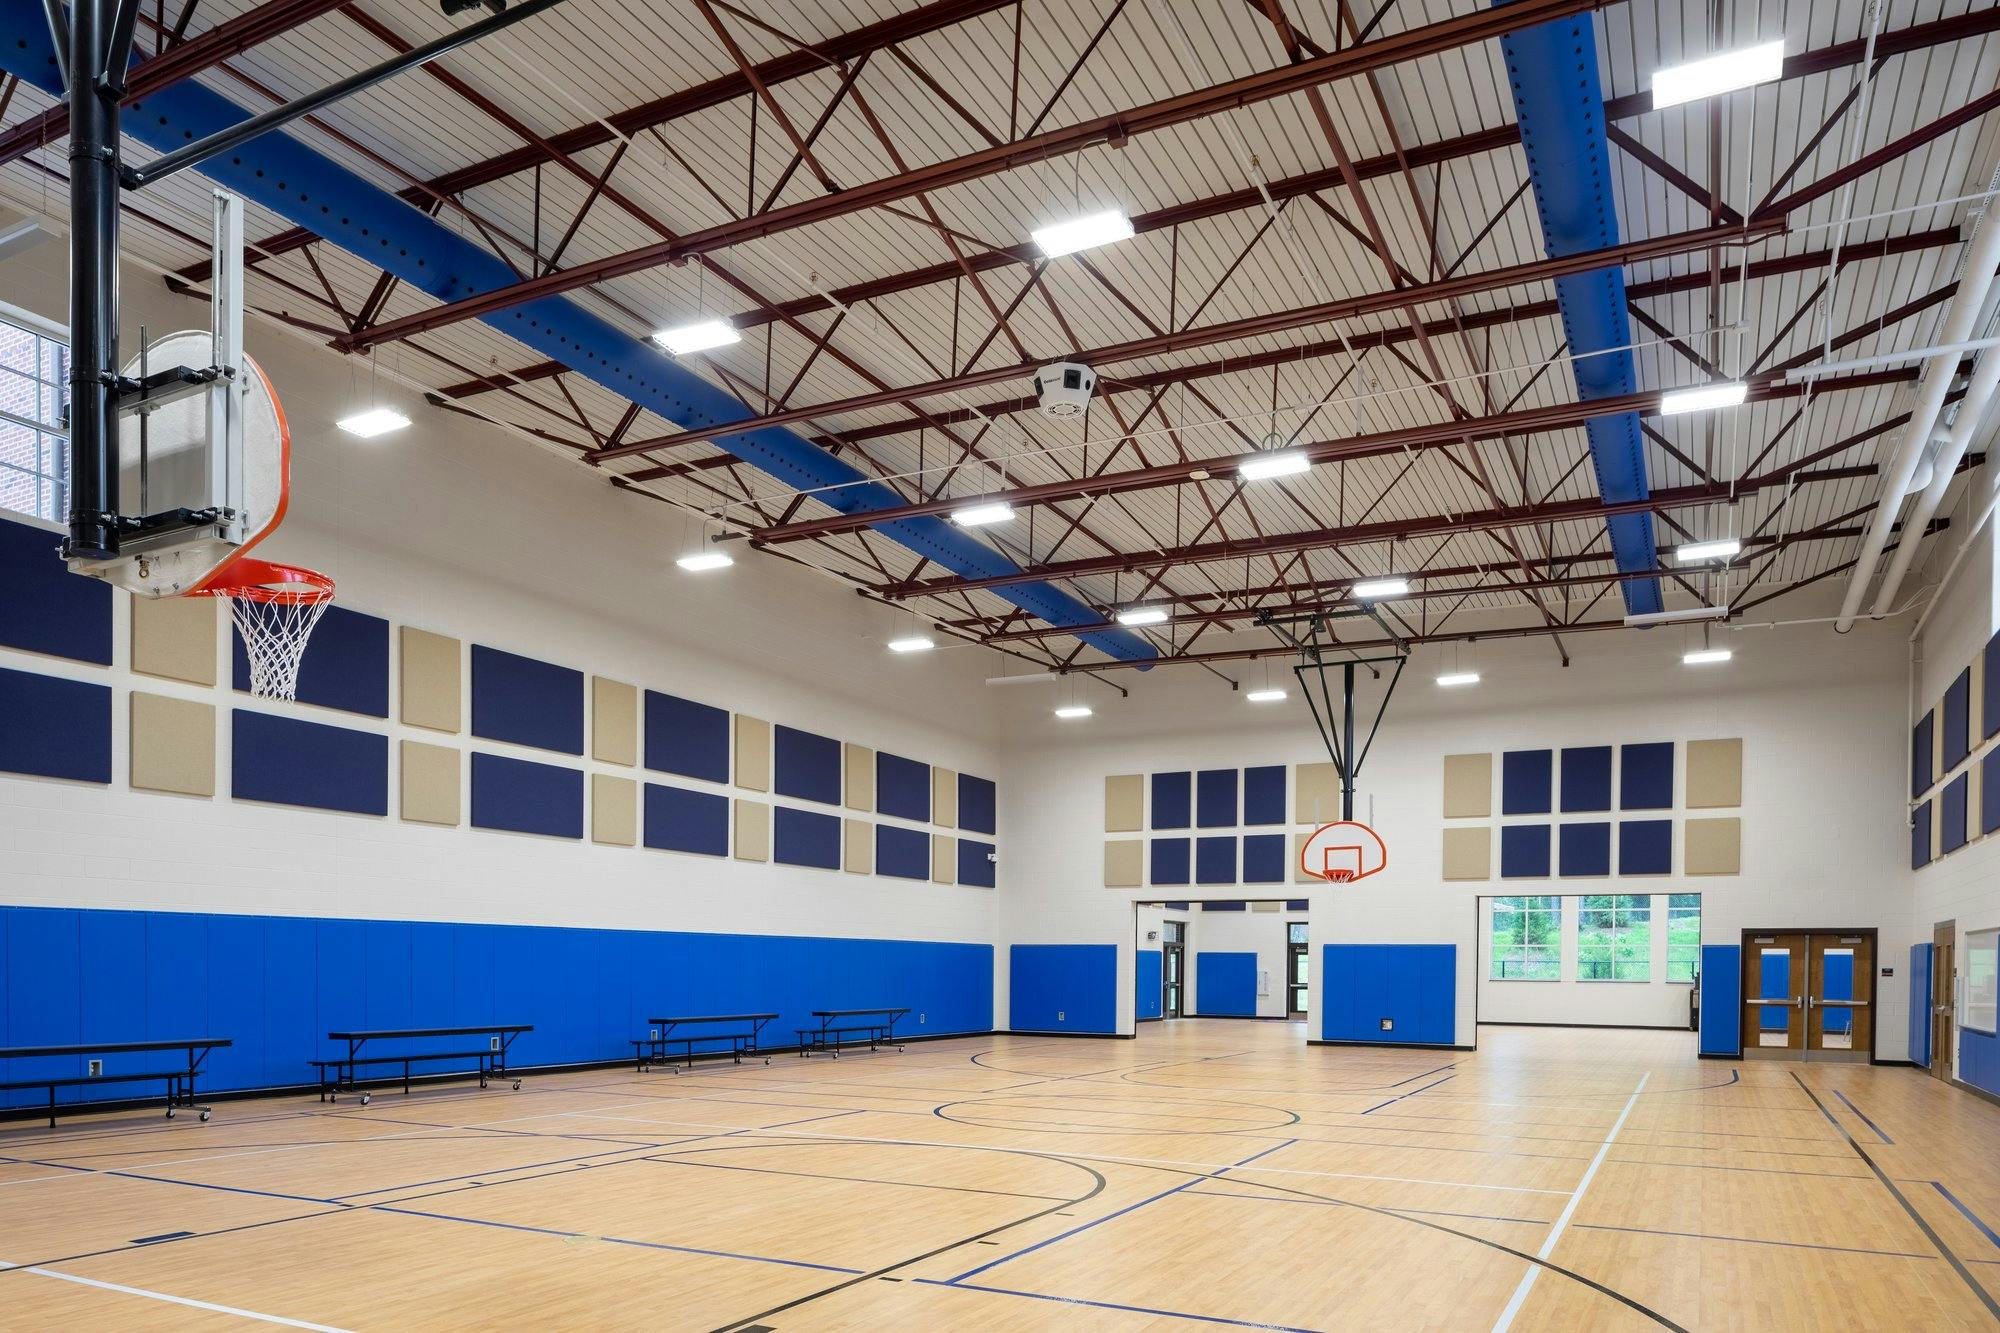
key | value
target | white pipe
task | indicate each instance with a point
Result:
(1821, 369)
(1958, 558)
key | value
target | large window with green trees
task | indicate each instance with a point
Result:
(1683, 936)
(1527, 939)
(1614, 938)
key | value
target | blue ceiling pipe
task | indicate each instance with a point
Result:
(1559, 104)
(297, 183)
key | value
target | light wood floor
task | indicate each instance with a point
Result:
(1209, 1173)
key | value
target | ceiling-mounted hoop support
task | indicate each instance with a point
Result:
(1337, 732)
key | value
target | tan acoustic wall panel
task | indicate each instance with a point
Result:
(1715, 774)
(753, 754)
(1468, 786)
(1714, 847)
(1124, 863)
(1316, 799)
(430, 784)
(614, 721)
(944, 859)
(173, 743)
(944, 798)
(175, 638)
(431, 680)
(753, 831)
(1468, 853)
(857, 852)
(614, 810)
(1125, 803)
(1299, 875)
(859, 762)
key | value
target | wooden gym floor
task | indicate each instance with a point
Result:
(1209, 1173)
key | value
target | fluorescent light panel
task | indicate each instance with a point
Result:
(1705, 656)
(1069, 712)
(1717, 74)
(1702, 398)
(1374, 588)
(1143, 615)
(1454, 678)
(981, 515)
(912, 643)
(1270, 694)
(1696, 552)
(702, 561)
(1282, 463)
(709, 333)
(375, 421)
(1084, 233)
(1675, 617)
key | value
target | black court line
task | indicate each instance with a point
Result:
(670, 1159)
(1970, 1216)
(1757, 1240)
(1864, 1117)
(1393, 1100)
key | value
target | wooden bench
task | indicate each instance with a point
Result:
(651, 1049)
(179, 1081)
(879, 1025)
(339, 1074)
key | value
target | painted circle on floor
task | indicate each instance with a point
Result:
(1062, 1113)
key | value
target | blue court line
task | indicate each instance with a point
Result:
(1426, 1074)
(500, 1170)
(614, 1240)
(1864, 1118)
(1753, 1240)
(1185, 1184)
(1970, 1216)
(225, 1189)
(1342, 1203)
(1413, 1092)
(1113, 1305)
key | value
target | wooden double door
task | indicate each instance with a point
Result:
(1809, 994)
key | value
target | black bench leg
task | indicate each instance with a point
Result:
(52, 1106)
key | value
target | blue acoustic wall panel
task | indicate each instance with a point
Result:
(1173, 801)
(1225, 984)
(1952, 813)
(1989, 792)
(1921, 740)
(976, 866)
(45, 608)
(1584, 849)
(1062, 987)
(1215, 798)
(1920, 836)
(1170, 861)
(1225, 907)
(1920, 1004)
(805, 838)
(1147, 990)
(1297, 904)
(288, 761)
(1264, 794)
(1524, 782)
(1586, 778)
(346, 663)
(1264, 858)
(522, 796)
(685, 737)
(526, 701)
(1414, 987)
(1956, 727)
(806, 766)
(1175, 907)
(1721, 1015)
(902, 853)
(978, 802)
(678, 820)
(902, 787)
(1989, 689)
(1645, 846)
(54, 728)
(1524, 851)
(1215, 860)
(1646, 776)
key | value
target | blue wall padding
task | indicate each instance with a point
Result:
(1264, 794)
(1225, 984)
(1524, 851)
(679, 820)
(805, 838)
(1921, 740)
(806, 766)
(1169, 858)
(1957, 737)
(1920, 836)
(902, 853)
(902, 787)
(976, 868)
(1215, 860)
(1952, 812)
(43, 607)
(1415, 986)
(1989, 689)
(1586, 779)
(1979, 1059)
(1147, 987)
(289, 761)
(1584, 849)
(526, 701)
(1559, 105)
(54, 728)
(1525, 782)
(1646, 776)
(1264, 858)
(346, 663)
(978, 804)
(1921, 959)
(1062, 987)
(1721, 1015)
(1774, 982)
(1173, 802)
(1645, 846)
(1225, 907)
(1989, 792)
(522, 796)
(686, 737)
(1215, 800)
(277, 985)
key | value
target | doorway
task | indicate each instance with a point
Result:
(1298, 955)
(1809, 995)
(1944, 990)
(1173, 970)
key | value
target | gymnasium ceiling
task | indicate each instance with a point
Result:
(766, 153)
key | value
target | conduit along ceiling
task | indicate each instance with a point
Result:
(1448, 261)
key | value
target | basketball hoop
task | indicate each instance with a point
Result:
(274, 608)
(1343, 852)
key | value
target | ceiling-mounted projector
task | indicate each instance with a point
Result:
(1064, 389)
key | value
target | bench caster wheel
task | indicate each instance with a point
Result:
(204, 1115)
(767, 1059)
(366, 1098)
(517, 1085)
(170, 1113)
(482, 1085)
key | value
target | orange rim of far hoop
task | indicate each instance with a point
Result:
(266, 581)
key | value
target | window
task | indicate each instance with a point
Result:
(1982, 981)
(1296, 933)
(1614, 940)
(1527, 939)
(34, 401)
(1683, 936)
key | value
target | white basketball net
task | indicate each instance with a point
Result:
(274, 634)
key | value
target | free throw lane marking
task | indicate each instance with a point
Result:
(187, 1301)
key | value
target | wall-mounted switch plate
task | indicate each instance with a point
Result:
(1388, 1025)
(492, 1043)
(97, 1069)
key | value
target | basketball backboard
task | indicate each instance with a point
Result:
(1343, 852)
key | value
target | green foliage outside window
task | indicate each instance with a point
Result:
(1527, 939)
(1614, 940)
(1683, 936)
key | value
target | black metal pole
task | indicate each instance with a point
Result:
(93, 282)
(1348, 764)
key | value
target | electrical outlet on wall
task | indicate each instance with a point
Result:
(1388, 1025)
(921, 1018)
(1061, 1016)
(97, 1068)
(652, 1034)
(493, 1043)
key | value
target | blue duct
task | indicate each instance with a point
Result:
(1559, 105)
(283, 175)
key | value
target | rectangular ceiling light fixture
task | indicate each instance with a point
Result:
(1706, 656)
(1282, 463)
(1377, 588)
(1142, 615)
(1717, 74)
(982, 514)
(1070, 712)
(703, 561)
(1695, 553)
(375, 421)
(912, 643)
(702, 337)
(1675, 617)
(1703, 398)
(1084, 233)
(1454, 678)
(1270, 694)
